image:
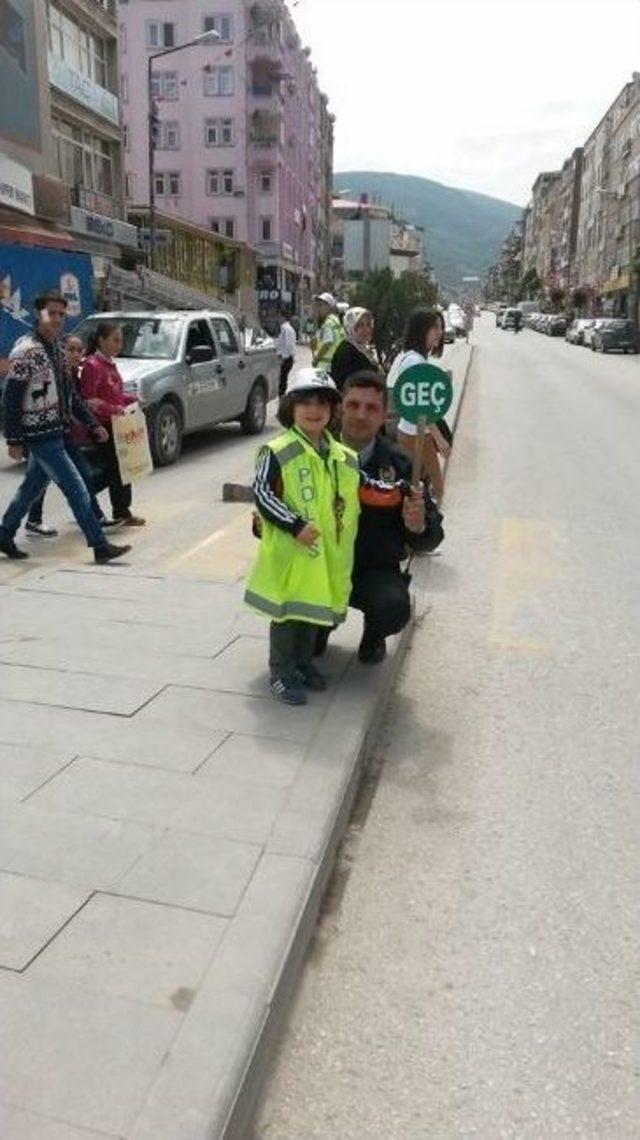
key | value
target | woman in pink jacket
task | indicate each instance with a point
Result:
(102, 388)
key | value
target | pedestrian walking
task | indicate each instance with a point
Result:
(40, 399)
(355, 353)
(102, 387)
(35, 525)
(286, 348)
(424, 337)
(330, 332)
(306, 488)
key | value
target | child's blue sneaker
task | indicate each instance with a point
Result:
(312, 678)
(289, 690)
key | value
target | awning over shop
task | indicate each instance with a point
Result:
(19, 230)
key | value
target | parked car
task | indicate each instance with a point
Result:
(576, 330)
(449, 331)
(531, 319)
(456, 319)
(614, 335)
(589, 332)
(556, 326)
(501, 309)
(511, 319)
(191, 370)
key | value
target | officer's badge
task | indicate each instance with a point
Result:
(387, 474)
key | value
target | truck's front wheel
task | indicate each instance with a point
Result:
(165, 434)
(254, 418)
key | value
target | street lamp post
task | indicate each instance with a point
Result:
(205, 38)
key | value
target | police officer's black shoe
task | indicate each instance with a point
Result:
(372, 650)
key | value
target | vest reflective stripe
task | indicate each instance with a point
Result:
(293, 611)
(289, 581)
(291, 451)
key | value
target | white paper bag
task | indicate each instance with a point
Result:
(132, 445)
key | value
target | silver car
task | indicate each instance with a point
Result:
(190, 370)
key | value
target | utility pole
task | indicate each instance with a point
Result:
(205, 38)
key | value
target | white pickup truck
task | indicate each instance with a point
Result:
(189, 370)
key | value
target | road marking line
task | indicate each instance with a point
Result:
(211, 539)
(525, 563)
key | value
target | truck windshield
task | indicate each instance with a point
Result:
(149, 338)
(145, 338)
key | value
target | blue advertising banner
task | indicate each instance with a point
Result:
(26, 271)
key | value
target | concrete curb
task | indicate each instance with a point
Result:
(240, 1117)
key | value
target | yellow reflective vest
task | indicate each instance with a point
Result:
(331, 334)
(292, 582)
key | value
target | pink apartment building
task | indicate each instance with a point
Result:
(244, 137)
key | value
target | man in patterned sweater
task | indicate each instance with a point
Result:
(40, 399)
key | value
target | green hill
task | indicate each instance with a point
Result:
(463, 230)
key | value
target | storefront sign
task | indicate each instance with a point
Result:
(16, 189)
(103, 228)
(83, 89)
(268, 294)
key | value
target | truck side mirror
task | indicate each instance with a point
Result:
(199, 354)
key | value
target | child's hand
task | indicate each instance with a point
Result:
(308, 535)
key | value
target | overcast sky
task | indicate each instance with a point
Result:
(481, 94)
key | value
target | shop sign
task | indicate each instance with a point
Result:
(83, 89)
(103, 228)
(16, 187)
(268, 295)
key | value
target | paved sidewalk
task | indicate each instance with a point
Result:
(166, 830)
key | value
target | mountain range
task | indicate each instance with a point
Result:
(463, 231)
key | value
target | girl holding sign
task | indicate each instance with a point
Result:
(424, 337)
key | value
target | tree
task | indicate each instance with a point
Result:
(391, 300)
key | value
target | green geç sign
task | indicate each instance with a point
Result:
(423, 392)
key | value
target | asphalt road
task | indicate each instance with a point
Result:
(476, 969)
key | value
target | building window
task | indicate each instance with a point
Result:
(219, 81)
(124, 89)
(128, 187)
(167, 183)
(219, 132)
(159, 34)
(165, 86)
(266, 181)
(265, 229)
(168, 136)
(220, 182)
(226, 226)
(82, 158)
(83, 51)
(126, 137)
(223, 25)
(123, 39)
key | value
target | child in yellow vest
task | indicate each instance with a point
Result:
(306, 488)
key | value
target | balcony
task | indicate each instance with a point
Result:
(266, 80)
(265, 129)
(94, 201)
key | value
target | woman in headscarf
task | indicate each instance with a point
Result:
(355, 353)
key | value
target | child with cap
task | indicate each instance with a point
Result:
(306, 489)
